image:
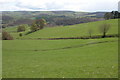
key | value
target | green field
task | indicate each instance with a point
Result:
(68, 31)
(0, 59)
(71, 58)
(75, 30)
(49, 59)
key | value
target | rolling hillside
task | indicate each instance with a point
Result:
(13, 18)
(74, 30)
(92, 58)
(78, 30)
(30, 14)
(74, 58)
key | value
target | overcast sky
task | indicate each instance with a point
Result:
(50, 5)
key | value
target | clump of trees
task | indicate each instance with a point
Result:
(38, 24)
(6, 36)
(72, 21)
(104, 29)
(21, 28)
(34, 28)
(108, 15)
(116, 14)
(112, 15)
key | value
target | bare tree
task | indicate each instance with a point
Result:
(104, 29)
(90, 31)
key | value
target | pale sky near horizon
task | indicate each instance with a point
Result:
(55, 5)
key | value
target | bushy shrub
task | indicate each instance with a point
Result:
(20, 35)
(6, 36)
(21, 28)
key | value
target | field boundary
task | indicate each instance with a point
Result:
(63, 38)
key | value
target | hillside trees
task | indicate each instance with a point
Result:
(72, 21)
(23, 21)
(40, 23)
(108, 15)
(116, 14)
(33, 28)
(112, 15)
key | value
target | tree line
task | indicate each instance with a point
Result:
(112, 15)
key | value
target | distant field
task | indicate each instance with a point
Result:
(60, 58)
(69, 31)
(74, 30)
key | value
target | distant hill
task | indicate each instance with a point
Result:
(96, 14)
(27, 14)
(13, 18)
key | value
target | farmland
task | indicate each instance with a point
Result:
(71, 58)
(78, 30)
(49, 59)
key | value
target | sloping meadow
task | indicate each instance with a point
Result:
(92, 58)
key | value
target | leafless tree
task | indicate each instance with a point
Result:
(90, 31)
(104, 29)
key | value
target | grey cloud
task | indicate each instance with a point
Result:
(119, 6)
(54, 6)
(18, 4)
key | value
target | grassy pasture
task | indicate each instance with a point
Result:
(40, 59)
(68, 31)
(75, 58)
(75, 30)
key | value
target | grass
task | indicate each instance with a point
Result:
(25, 59)
(75, 30)
(75, 58)
(0, 58)
(13, 31)
(69, 31)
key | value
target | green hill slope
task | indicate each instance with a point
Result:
(75, 30)
(60, 58)
(78, 30)
(75, 58)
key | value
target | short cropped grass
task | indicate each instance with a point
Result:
(40, 59)
(75, 30)
(78, 30)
